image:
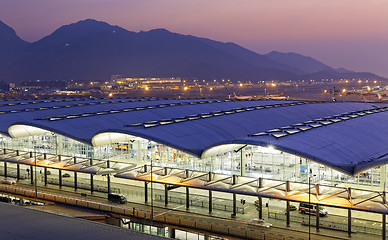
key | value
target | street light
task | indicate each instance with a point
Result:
(317, 211)
(35, 177)
(152, 198)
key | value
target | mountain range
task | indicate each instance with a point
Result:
(95, 50)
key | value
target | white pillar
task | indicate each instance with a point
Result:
(242, 161)
(139, 151)
(59, 143)
(383, 176)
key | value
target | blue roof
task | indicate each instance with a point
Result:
(346, 136)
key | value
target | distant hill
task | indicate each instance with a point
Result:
(304, 64)
(94, 50)
(332, 74)
(11, 45)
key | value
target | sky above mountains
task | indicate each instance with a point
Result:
(341, 33)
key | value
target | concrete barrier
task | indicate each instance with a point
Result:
(20, 191)
(105, 207)
(50, 197)
(93, 205)
(220, 228)
(82, 203)
(71, 201)
(204, 225)
(118, 210)
(188, 222)
(60, 199)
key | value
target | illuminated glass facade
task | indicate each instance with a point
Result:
(250, 160)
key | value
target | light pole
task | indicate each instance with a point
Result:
(152, 199)
(317, 210)
(35, 177)
(309, 206)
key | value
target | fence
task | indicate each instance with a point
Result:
(329, 224)
(200, 203)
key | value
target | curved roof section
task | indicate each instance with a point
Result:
(350, 146)
(325, 132)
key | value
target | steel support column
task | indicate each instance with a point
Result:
(349, 222)
(145, 192)
(260, 208)
(108, 181)
(75, 176)
(287, 205)
(91, 183)
(234, 205)
(60, 177)
(45, 176)
(210, 201)
(349, 214)
(187, 198)
(32, 174)
(17, 171)
(317, 219)
(91, 178)
(384, 226)
(165, 195)
(108, 176)
(5, 169)
(288, 213)
(234, 197)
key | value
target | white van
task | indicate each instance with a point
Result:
(312, 208)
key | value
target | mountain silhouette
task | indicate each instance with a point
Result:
(10, 45)
(95, 50)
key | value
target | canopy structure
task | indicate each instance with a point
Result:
(347, 136)
(77, 164)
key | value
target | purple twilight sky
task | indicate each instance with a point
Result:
(342, 33)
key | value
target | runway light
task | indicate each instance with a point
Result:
(241, 84)
(110, 94)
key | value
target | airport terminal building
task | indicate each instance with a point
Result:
(269, 149)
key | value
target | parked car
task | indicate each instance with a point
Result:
(117, 198)
(261, 222)
(8, 181)
(306, 208)
(65, 175)
(292, 207)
